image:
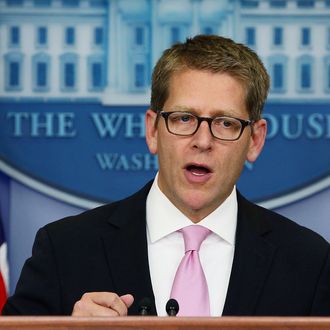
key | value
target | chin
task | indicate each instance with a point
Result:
(195, 203)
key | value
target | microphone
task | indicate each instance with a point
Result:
(144, 306)
(172, 307)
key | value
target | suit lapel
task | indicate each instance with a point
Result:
(252, 261)
(126, 248)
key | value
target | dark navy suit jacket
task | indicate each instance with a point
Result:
(279, 267)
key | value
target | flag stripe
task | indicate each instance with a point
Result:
(3, 293)
(3, 268)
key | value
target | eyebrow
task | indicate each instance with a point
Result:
(216, 113)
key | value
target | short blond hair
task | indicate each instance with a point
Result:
(215, 54)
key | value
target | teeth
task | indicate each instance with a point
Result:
(198, 174)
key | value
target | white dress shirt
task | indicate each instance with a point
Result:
(166, 247)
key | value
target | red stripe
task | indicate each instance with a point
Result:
(3, 294)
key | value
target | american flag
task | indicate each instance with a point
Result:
(3, 268)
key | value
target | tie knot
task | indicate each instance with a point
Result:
(194, 236)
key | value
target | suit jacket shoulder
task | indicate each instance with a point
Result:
(117, 213)
(282, 229)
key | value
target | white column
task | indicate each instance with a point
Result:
(112, 46)
(195, 27)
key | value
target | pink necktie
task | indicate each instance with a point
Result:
(189, 286)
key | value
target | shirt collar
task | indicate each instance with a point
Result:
(163, 218)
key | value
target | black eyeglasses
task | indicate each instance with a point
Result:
(222, 127)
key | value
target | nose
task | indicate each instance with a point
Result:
(203, 138)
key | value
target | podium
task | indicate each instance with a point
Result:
(164, 323)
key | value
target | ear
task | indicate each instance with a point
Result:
(257, 141)
(151, 131)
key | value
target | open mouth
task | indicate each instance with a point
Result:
(198, 170)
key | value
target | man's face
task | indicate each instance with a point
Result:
(197, 173)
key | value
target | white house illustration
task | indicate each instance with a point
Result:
(104, 51)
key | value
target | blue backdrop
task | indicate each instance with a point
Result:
(75, 84)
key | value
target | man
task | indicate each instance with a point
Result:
(204, 123)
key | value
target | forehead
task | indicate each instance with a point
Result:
(206, 93)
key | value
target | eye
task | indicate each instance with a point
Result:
(226, 123)
(181, 117)
(185, 118)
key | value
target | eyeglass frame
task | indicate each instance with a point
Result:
(209, 120)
